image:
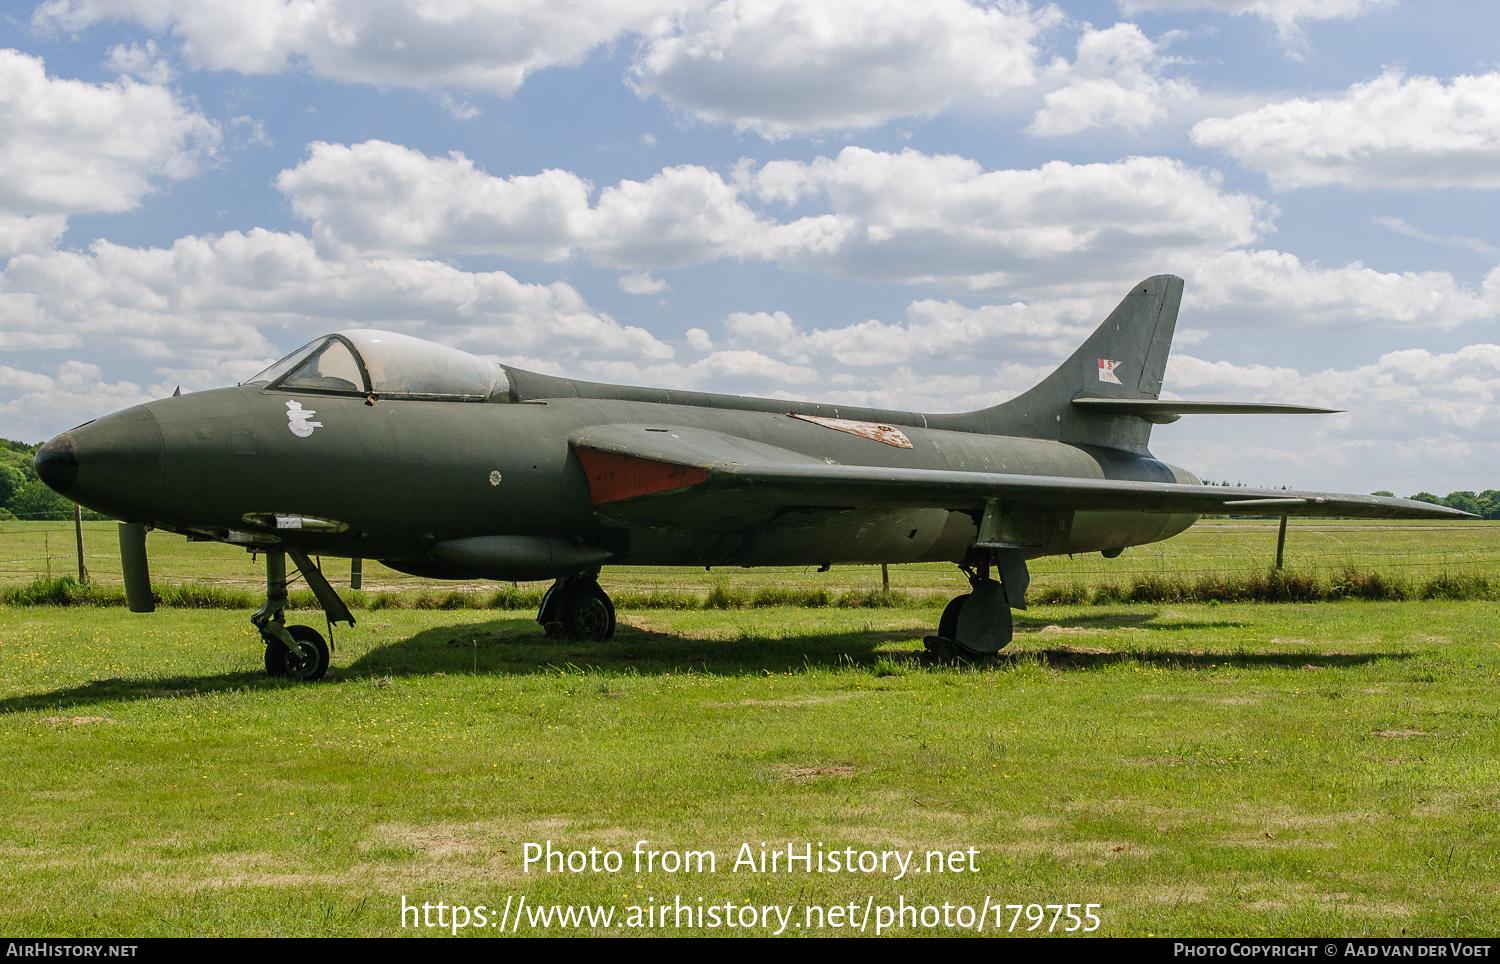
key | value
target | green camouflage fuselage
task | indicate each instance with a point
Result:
(393, 478)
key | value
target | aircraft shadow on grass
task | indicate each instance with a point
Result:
(128, 690)
(517, 646)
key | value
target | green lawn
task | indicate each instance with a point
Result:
(1193, 770)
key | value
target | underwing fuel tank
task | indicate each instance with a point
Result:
(517, 557)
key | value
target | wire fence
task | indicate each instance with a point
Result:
(1231, 549)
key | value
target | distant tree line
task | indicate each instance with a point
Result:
(1485, 504)
(22, 494)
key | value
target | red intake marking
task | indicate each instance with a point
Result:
(615, 477)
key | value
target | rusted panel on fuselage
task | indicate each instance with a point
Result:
(875, 431)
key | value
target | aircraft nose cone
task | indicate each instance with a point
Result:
(112, 464)
(57, 464)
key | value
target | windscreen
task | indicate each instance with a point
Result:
(286, 364)
(330, 368)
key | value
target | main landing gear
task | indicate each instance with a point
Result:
(979, 623)
(296, 652)
(576, 608)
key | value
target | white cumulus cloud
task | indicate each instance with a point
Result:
(931, 329)
(1256, 289)
(874, 215)
(1406, 133)
(141, 61)
(18, 379)
(1414, 419)
(35, 406)
(490, 45)
(1074, 233)
(1286, 15)
(67, 147)
(784, 67)
(379, 197)
(919, 217)
(383, 198)
(641, 283)
(21, 233)
(1114, 81)
(234, 301)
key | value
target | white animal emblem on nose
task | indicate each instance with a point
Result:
(298, 420)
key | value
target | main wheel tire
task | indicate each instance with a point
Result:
(940, 648)
(312, 663)
(546, 613)
(948, 624)
(983, 625)
(588, 614)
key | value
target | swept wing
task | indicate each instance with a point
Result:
(648, 475)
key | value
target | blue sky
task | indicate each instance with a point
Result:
(909, 205)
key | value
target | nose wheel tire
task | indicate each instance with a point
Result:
(312, 662)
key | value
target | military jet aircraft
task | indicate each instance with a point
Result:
(368, 444)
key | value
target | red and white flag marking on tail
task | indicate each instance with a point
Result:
(1107, 371)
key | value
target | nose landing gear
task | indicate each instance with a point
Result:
(296, 652)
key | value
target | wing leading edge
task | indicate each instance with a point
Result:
(703, 478)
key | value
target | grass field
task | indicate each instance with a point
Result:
(1259, 769)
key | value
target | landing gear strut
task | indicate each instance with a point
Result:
(576, 608)
(297, 652)
(979, 623)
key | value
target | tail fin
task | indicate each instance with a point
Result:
(1123, 359)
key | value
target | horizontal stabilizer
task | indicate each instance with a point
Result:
(1162, 412)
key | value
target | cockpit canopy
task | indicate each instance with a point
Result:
(363, 361)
